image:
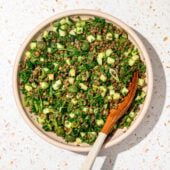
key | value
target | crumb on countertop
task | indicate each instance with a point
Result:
(165, 38)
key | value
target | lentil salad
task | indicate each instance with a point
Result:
(75, 73)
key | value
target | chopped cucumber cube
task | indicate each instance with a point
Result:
(42, 59)
(92, 134)
(72, 72)
(110, 60)
(82, 134)
(34, 85)
(109, 36)
(28, 54)
(45, 34)
(143, 94)
(90, 38)
(71, 80)
(135, 57)
(80, 23)
(45, 69)
(85, 109)
(64, 27)
(72, 32)
(116, 35)
(126, 53)
(83, 86)
(28, 87)
(111, 92)
(131, 62)
(134, 51)
(74, 101)
(72, 115)
(78, 141)
(128, 120)
(79, 30)
(57, 85)
(62, 33)
(51, 76)
(49, 50)
(56, 24)
(109, 98)
(68, 124)
(68, 62)
(103, 90)
(46, 110)
(54, 29)
(132, 114)
(33, 45)
(103, 78)
(100, 57)
(63, 21)
(55, 64)
(124, 91)
(141, 82)
(95, 87)
(100, 122)
(60, 46)
(116, 96)
(109, 52)
(68, 21)
(40, 120)
(44, 85)
(99, 37)
(110, 87)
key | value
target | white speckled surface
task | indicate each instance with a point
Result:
(147, 148)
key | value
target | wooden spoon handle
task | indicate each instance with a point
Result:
(94, 151)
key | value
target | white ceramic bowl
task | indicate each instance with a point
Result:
(119, 134)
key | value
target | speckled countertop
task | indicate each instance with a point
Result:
(147, 148)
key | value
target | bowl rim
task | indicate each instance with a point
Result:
(130, 32)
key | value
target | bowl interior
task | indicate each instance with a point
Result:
(120, 134)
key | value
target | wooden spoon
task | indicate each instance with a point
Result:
(113, 117)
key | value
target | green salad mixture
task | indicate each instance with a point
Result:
(75, 72)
